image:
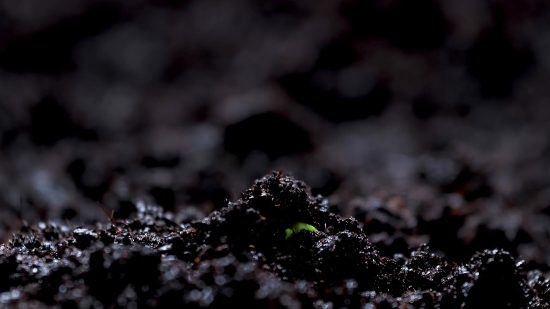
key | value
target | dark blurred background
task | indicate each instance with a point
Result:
(426, 120)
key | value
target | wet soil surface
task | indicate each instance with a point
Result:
(240, 256)
(420, 121)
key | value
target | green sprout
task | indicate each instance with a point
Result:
(300, 226)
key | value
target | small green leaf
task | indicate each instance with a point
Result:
(300, 226)
(288, 232)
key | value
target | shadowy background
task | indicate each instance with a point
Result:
(426, 120)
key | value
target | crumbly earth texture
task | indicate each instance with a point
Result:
(239, 257)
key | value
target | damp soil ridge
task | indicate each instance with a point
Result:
(241, 256)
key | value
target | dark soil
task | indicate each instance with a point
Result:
(238, 256)
(424, 121)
